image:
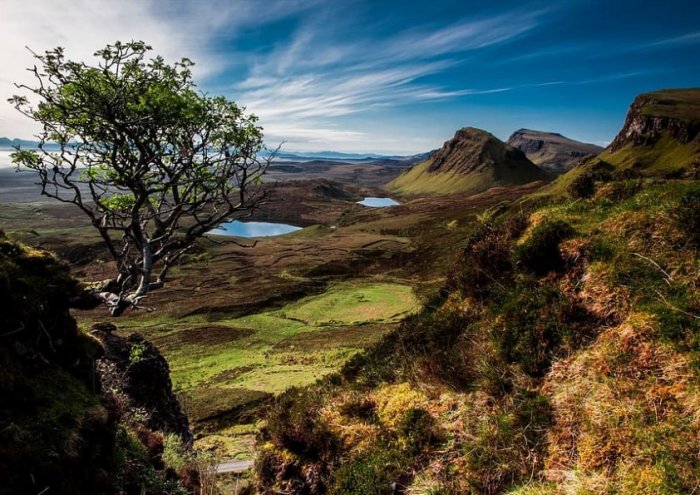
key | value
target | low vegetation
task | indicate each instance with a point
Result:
(562, 357)
(225, 368)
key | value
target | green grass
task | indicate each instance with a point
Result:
(419, 181)
(351, 305)
(665, 155)
(267, 349)
(225, 367)
(676, 103)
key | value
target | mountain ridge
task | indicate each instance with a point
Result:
(552, 151)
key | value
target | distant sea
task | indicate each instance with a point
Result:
(5, 161)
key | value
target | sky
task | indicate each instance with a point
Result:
(384, 76)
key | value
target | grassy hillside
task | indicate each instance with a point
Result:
(664, 158)
(682, 104)
(419, 180)
(562, 356)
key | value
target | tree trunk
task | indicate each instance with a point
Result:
(145, 283)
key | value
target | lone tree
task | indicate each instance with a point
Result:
(153, 162)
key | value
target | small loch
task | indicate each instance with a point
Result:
(378, 202)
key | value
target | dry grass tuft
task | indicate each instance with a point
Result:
(626, 408)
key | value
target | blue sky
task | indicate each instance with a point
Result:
(388, 76)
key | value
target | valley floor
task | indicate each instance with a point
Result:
(243, 321)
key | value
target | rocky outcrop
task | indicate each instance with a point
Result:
(63, 427)
(676, 112)
(550, 151)
(135, 370)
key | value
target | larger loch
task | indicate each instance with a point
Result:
(237, 228)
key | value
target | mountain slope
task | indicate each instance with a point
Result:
(471, 162)
(559, 360)
(551, 151)
(560, 357)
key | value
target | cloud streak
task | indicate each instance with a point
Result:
(175, 29)
(302, 83)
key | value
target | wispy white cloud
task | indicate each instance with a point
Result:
(302, 85)
(685, 39)
(299, 87)
(175, 29)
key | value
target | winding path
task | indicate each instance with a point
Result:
(233, 467)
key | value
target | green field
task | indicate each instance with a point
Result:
(223, 368)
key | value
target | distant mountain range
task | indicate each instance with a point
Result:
(6, 142)
(292, 156)
(303, 156)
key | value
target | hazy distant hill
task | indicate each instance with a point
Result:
(471, 162)
(6, 142)
(342, 157)
(551, 151)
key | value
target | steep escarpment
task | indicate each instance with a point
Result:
(660, 138)
(471, 162)
(550, 151)
(675, 112)
(65, 425)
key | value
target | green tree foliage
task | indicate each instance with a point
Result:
(153, 162)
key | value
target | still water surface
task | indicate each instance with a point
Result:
(378, 202)
(253, 229)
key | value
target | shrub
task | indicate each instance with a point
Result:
(485, 259)
(293, 423)
(360, 407)
(539, 253)
(582, 187)
(626, 174)
(537, 322)
(687, 215)
(417, 430)
(509, 445)
(432, 346)
(622, 189)
(174, 454)
(370, 474)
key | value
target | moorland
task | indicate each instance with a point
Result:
(505, 329)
